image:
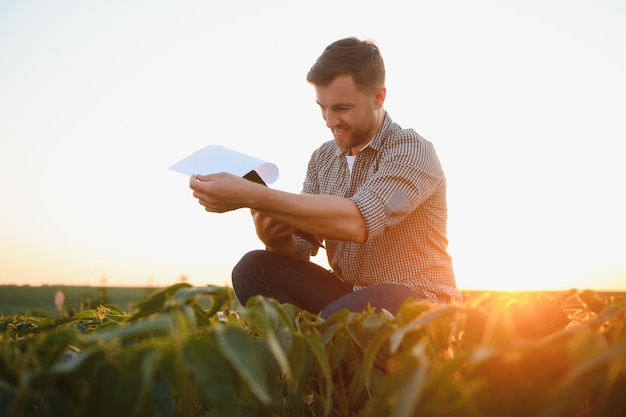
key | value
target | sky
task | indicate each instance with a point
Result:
(525, 102)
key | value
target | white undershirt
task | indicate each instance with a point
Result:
(350, 159)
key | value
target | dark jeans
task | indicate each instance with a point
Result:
(309, 286)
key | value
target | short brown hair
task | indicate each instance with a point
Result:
(350, 56)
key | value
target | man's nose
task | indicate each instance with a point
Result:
(331, 120)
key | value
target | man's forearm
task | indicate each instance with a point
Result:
(330, 217)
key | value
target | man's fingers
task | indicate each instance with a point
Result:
(193, 182)
(196, 180)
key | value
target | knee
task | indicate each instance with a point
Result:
(247, 264)
(243, 268)
(246, 275)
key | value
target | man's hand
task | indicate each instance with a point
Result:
(277, 237)
(221, 192)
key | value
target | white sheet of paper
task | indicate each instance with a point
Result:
(216, 158)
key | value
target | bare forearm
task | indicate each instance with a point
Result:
(327, 216)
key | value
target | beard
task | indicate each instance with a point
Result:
(350, 138)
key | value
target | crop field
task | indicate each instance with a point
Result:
(194, 351)
(16, 299)
(39, 300)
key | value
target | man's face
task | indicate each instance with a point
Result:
(351, 114)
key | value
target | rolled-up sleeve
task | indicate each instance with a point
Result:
(411, 173)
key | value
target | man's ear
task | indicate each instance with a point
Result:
(381, 93)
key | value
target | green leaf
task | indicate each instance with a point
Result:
(438, 314)
(187, 292)
(264, 315)
(160, 325)
(242, 352)
(314, 343)
(597, 373)
(362, 378)
(123, 387)
(66, 367)
(300, 361)
(402, 391)
(156, 302)
(215, 376)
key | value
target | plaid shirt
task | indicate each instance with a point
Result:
(399, 186)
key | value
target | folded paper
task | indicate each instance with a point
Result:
(216, 158)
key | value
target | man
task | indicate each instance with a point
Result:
(376, 195)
